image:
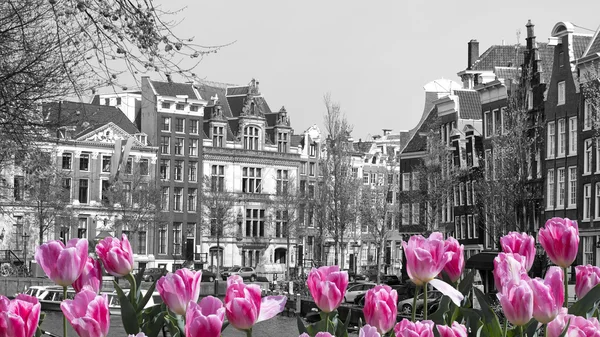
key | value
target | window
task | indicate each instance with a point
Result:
(179, 106)
(390, 179)
(488, 123)
(473, 183)
(127, 193)
(587, 115)
(67, 160)
(312, 150)
(118, 100)
(588, 250)
(311, 189)
(193, 149)
(282, 141)
(455, 193)
(19, 188)
(550, 190)
(83, 191)
(144, 167)
(497, 122)
(572, 186)
(84, 162)
(573, 136)
(303, 168)
(561, 93)
(282, 182)
(217, 178)
(162, 239)
(165, 124)
(551, 140)
(164, 200)
(476, 226)
(415, 180)
(251, 138)
(192, 199)
(597, 155)
(415, 213)
(66, 193)
(177, 198)
(165, 144)
(461, 188)
(194, 126)
(281, 224)
(177, 238)
(468, 192)
(469, 226)
(165, 105)
(218, 134)
(178, 146)
(463, 227)
(251, 180)
(311, 169)
(405, 181)
(106, 163)
(529, 99)
(194, 108)
(105, 190)
(178, 170)
(192, 170)
(141, 243)
(587, 158)
(107, 101)
(82, 225)
(405, 214)
(597, 202)
(587, 199)
(561, 187)
(129, 166)
(561, 137)
(457, 226)
(179, 125)
(165, 168)
(255, 222)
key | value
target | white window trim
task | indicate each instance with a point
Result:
(587, 167)
(587, 188)
(572, 131)
(560, 204)
(561, 145)
(561, 87)
(572, 182)
(551, 136)
(596, 202)
(550, 185)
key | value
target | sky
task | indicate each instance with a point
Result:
(373, 57)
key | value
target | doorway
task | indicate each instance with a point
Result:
(189, 250)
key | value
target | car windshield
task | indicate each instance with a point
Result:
(235, 269)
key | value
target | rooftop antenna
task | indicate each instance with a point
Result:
(518, 36)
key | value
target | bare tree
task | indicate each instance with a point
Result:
(285, 205)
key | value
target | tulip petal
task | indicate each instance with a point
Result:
(270, 307)
(448, 290)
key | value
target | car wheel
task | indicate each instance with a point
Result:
(252, 278)
(407, 309)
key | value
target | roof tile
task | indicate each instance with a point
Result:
(469, 104)
(173, 89)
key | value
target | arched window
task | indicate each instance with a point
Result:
(251, 138)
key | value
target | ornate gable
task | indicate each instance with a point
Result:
(108, 133)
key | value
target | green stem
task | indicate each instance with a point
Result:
(521, 329)
(414, 307)
(565, 278)
(249, 332)
(132, 290)
(505, 327)
(64, 317)
(425, 302)
(546, 330)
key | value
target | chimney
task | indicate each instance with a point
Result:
(473, 53)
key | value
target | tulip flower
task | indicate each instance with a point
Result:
(327, 285)
(116, 255)
(425, 259)
(91, 277)
(179, 288)
(517, 302)
(204, 319)
(88, 313)
(319, 334)
(548, 295)
(520, 243)
(578, 326)
(381, 308)
(141, 334)
(508, 268)
(368, 331)
(456, 330)
(560, 240)
(19, 317)
(454, 267)
(406, 328)
(586, 278)
(63, 264)
(244, 306)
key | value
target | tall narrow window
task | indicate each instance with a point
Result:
(141, 242)
(415, 213)
(550, 189)
(561, 187)
(488, 123)
(18, 188)
(572, 186)
(251, 138)
(83, 191)
(587, 115)
(587, 200)
(281, 224)
(127, 193)
(162, 239)
(561, 93)
(282, 141)
(67, 159)
(468, 194)
(144, 167)
(572, 136)
(165, 168)
(179, 125)
(194, 126)
(165, 124)
(193, 147)
(192, 199)
(165, 144)
(562, 136)
(587, 158)
(82, 226)
(551, 140)
(192, 171)
(177, 198)
(177, 238)
(597, 202)
(405, 214)
(164, 201)
(461, 199)
(497, 122)
(217, 178)
(282, 182)
(105, 190)
(217, 136)
(251, 180)
(66, 192)
(84, 162)
(589, 250)
(178, 149)
(129, 166)
(106, 163)
(405, 181)
(597, 155)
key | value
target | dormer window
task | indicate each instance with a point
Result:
(165, 105)
(142, 138)
(194, 108)
(218, 135)
(251, 138)
(179, 106)
(282, 141)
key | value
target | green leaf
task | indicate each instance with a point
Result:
(440, 315)
(301, 326)
(472, 319)
(153, 324)
(128, 314)
(564, 332)
(489, 318)
(532, 328)
(342, 329)
(143, 301)
(466, 284)
(138, 280)
(586, 304)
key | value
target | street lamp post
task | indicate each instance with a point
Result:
(25, 242)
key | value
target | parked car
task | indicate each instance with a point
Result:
(244, 272)
(152, 274)
(357, 290)
(433, 297)
(352, 276)
(390, 280)
(208, 276)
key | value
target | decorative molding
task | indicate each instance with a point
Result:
(95, 155)
(153, 160)
(77, 154)
(137, 158)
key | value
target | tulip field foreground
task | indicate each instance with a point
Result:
(530, 307)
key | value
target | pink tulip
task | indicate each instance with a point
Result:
(455, 266)
(205, 319)
(319, 334)
(508, 268)
(244, 306)
(522, 244)
(327, 285)
(88, 313)
(548, 295)
(456, 330)
(63, 265)
(368, 331)
(578, 326)
(116, 255)
(179, 288)
(381, 308)
(560, 240)
(517, 302)
(19, 317)
(141, 334)
(407, 328)
(586, 278)
(91, 277)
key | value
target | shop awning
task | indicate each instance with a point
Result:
(482, 261)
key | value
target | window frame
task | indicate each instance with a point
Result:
(561, 94)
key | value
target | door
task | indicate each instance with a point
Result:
(189, 249)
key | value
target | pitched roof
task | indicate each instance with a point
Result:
(418, 142)
(581, 42)
(547, 58)
(86, 117)
(469, 104)
(500, 56)
(507, 73)
(363, 147)
(174, 89)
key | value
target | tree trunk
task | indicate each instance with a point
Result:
(342, 251)
(378, 257)
(287, 257)
(41, 223)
